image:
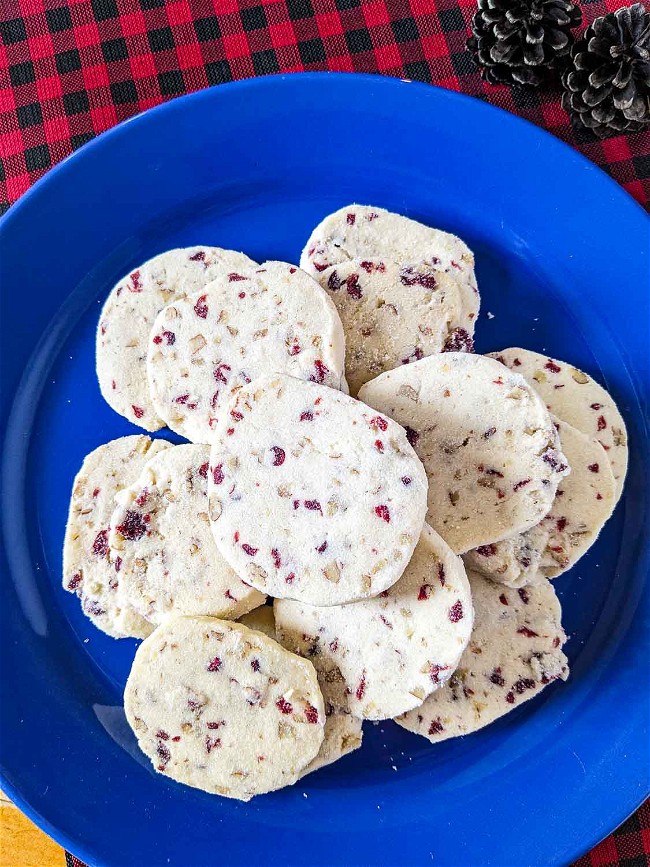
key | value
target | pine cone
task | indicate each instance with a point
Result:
(520, 41)
(607, 87)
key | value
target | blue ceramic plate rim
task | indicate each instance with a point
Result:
(517, 125)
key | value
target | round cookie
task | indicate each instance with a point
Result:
(383, 656)
(160, 530)
(366, 232)
(577, 399)
(271, 319)
(343, 735)
(88, 568)
(313, 496)
(486, 440)
(260, 619)
(219, 707)
(393, 314)
(128, 315)
(583, 503)
(515, 651)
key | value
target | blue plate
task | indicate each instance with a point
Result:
(562, 258)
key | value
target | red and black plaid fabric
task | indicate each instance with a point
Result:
(70, 69)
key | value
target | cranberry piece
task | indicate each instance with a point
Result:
(406, 480)
(296, 349)
(75, 581)
(436, 727)
(410, 277)
(203, 470)
(284, 706)
(236, 278)
(162, 734)
(216, 725)
(361, 687)
(552, 460)
(412, 435)
(456, 611)
(136, 285)
(334, 281)
(350, 219)
(306, 416)
(278, 456)
(503, 599)
(441, 574)
(248, 549)
(379, 446)
(353, 288)
(218, 372)
(424, 592)
(459, 341)
(296, 503)
(133, 527)
(593, 468)
(489, 433)
(510, 698)
(434, 672)
(521, 484)
(523, 684)
(486, 550)
(201, 308)
(561, 524)
(164, 755)
(212, 743)
(198, 257)
(311, 714)
(277, 560)
(523, 595)
(378, 421)
(138, 412)
(217, 474)
(524, 630)
(601, 424)
(236, 415)
(596, 406)
(255, 664)
(554, 368)
(383, 513)
(118, 564)
(100, 545)
(322, 548)
(497, 678)
(291, 577)
(242, 295)
(320, 267)
(313, 506)
(215, 664)
(416, 355)
(321, 372)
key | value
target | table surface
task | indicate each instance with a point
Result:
(69, 69)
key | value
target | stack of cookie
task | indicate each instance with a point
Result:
(402, 502)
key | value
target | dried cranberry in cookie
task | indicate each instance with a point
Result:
(161, 532)
(514, 653)
(393, 315)
(312, 495)
(219, 707)
(488, 444)
(270, 319)
(129, 313)
(583, 503)
(89, 568)
(577, 399)
(385, 655)
(366, 232)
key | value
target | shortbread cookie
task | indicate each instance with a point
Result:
(88, 568)
(515, 651)
(343, 735)
(385, 655)
(583, 503)
(261, 619)
(128, 315)
(219, 707)
(365, 232)
(577, 399)
(487, 442)
(394, 314)
(161, 532)
(313, 496)
(271, 319)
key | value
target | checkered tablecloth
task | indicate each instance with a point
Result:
(70, 69)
